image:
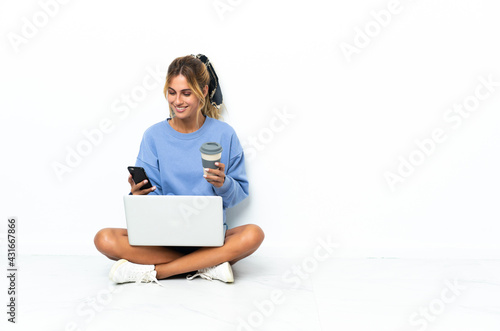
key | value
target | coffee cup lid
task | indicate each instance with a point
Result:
(211, 148)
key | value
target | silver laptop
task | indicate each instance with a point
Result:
(174, 220)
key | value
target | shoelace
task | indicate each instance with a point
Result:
(202, 273)
(147, 277)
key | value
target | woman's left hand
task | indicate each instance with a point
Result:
(216, 177)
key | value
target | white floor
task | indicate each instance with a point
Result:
(74, 293)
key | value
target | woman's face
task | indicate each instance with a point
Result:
(181, 98)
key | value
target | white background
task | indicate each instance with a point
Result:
(317, 174)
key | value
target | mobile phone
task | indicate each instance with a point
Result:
(138, 175)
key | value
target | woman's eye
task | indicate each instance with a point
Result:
(187, 94)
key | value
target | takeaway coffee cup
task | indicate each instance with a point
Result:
(210, 153)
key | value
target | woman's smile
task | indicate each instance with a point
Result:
(180, 109)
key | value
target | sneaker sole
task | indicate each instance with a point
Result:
(115, 266)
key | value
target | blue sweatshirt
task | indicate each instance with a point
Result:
(172, 161)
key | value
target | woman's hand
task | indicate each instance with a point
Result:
(136, 188)
(216, 177)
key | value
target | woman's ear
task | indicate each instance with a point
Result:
(205, 90)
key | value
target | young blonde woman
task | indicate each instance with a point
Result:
(169, 153)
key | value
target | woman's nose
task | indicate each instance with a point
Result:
(178, 99)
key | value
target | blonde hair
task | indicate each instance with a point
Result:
(197, 76)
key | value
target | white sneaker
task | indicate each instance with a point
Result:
(222, 272)
(124, 271)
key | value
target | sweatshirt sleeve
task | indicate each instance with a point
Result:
(148, 159)
(235, 187)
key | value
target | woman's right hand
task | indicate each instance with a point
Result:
(136, 188)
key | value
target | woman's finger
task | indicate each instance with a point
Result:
(215, 174)
(221, 166)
